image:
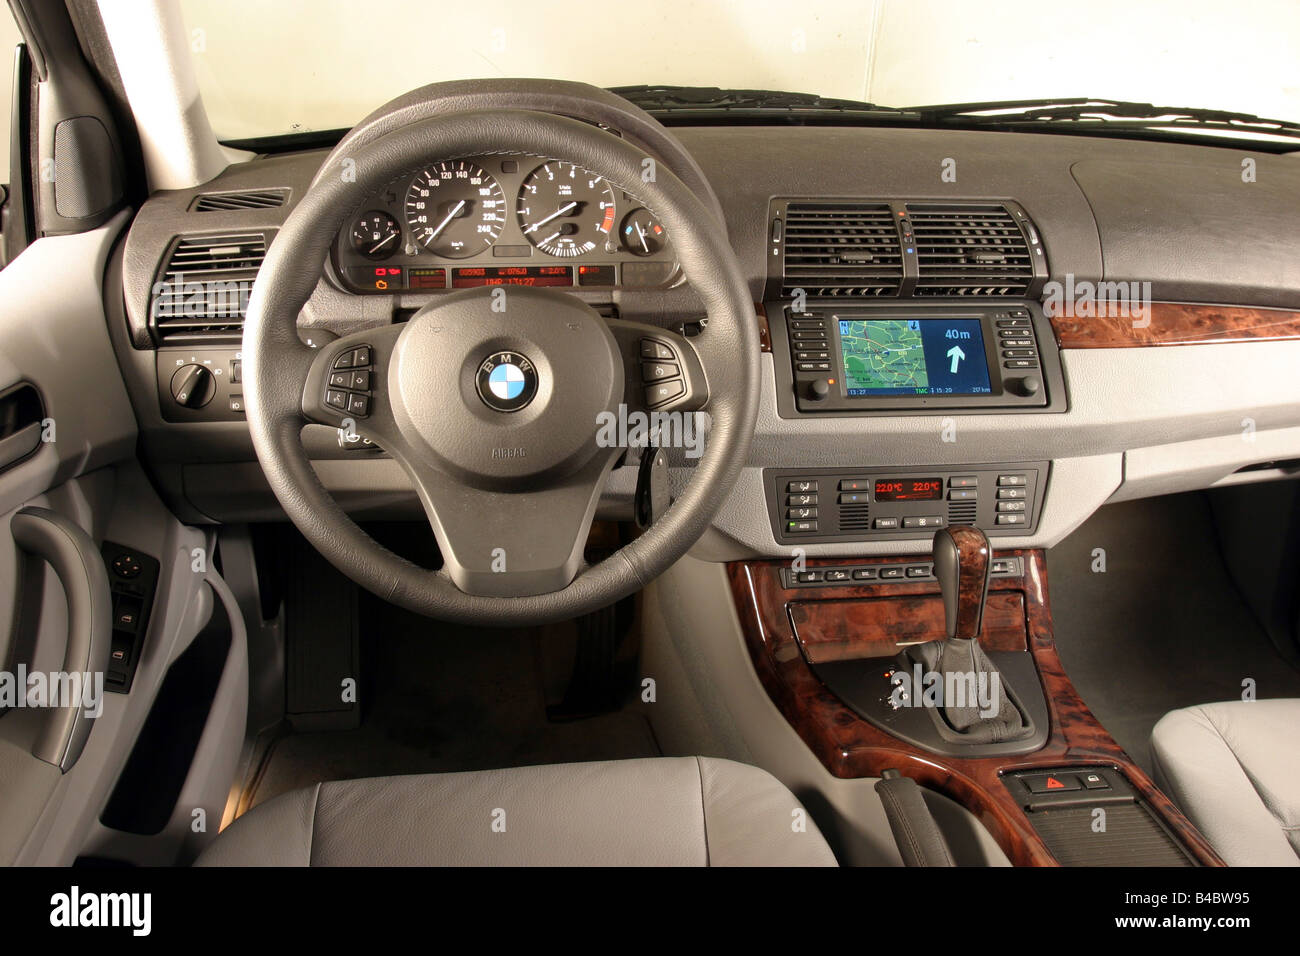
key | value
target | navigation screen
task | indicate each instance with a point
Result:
(913, 357)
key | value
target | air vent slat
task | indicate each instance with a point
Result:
(841, 249)
(202, 292)
(236, 201)
(975, 250)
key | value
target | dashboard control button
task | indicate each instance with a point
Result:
(801, 486)
(236, 371)
(800, 527)
(808, 577)
(887, 574)
(865, 574)
(1004, 480)
(800, 514)
(918, 571)
(1011, 519)
(923, 521)
(801, 500)
(963, 481)
(1020, 363)
(962, 494)
(837, 576)
(664, 391)
(884, 524)
(1011, 506)
(855, 498)
(819, 390)
(236, 403)
(1011, 493)
(193, 386)
(854, 484)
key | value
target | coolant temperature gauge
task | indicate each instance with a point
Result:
(642, 234)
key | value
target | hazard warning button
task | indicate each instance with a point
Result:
(1051, 782)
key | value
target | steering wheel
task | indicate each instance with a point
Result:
(493, 399)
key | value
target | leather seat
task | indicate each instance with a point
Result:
(681, 811)
(1232, 769)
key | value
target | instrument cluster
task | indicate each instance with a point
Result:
(503, 221)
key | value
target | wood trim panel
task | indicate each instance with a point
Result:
(881, 627)
(851, 747)
(1178, 323)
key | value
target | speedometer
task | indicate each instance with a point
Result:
(455, 209)
(566, 210)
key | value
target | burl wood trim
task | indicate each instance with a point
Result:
(1177, 323)
(881, 627)
(973, 553)
(764, 329)
(849, 746)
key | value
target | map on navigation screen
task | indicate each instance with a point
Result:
(903, 356)
(884, 353)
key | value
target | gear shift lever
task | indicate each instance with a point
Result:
(961, 563)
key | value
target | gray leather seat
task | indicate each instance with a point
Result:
(1233, 770)
(681, 811)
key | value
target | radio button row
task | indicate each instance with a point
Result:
(1018, 353)
(812, 356)
(1013, 323)
(814, 366)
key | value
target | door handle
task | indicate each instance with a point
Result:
(72, 554)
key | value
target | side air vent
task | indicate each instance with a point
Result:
(969, 250)
(837, 249)
(202, 291)
(233, 202)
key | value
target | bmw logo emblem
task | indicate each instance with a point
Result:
(506, 381)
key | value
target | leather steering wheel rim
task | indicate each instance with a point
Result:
(276, 363)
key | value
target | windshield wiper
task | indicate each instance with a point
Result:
(1098, 112)
(664, 100)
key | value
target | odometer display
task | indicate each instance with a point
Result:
(908, 489)
(566, 210)
(455, 209)
(469, 278)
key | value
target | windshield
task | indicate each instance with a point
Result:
(294, 66)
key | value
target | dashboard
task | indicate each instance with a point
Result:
(503, 220)
(1027, 422)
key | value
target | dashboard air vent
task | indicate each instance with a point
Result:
(837, 249)
(202, 292)
(969, 250)
(233, 202)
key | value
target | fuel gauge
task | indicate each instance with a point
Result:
(642, 234)
(376, 235)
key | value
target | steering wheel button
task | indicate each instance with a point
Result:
(656, 350)
(658, 394)
(340, 379)
(360, 381)
(345, 360)
(361, 357)
(358, 405)
(336, 399)
(656, 371)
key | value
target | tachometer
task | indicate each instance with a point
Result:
(566, 210)
(455, 209)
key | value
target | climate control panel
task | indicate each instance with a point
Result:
(863, 504)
